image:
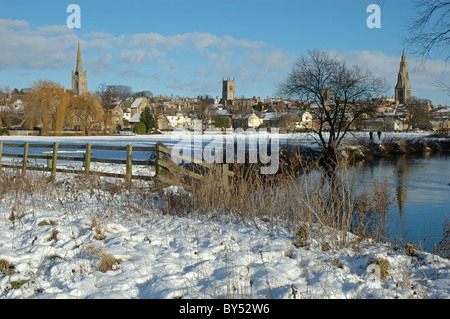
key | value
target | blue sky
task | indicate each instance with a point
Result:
(186, 47)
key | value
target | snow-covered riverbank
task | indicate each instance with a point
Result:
(56, 240)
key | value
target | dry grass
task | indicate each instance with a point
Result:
(383, 265)
(5, 265)
(300, 195)
(107, 261)
(296, 197)
(443, 248)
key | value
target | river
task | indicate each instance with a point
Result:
(420, 190)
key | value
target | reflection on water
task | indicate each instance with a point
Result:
(420, 186)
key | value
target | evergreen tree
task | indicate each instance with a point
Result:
(148, 119)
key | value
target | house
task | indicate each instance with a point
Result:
(18, 105)
(442, 113)
(136, 118)
(247, 120)
(115, 114)
(394, 125)
(441, 124)
(305, 120)
(126, 114)
(271, 119)
(163, 122)
(178, 119)
(139, 105)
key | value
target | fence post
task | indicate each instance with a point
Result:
(54, 159)
(1, 153)
(25, 158)
(129, 165)
(158, 159)
(87, 159)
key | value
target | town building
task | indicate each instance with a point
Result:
(79, 77)
(228, 91)
(403, 87)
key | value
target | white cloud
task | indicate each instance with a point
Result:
(53, 30)
(423, 75)
(100, 65)
(195, 40)
(136, 57)
(44, 48)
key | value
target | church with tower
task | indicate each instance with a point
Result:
(79, 77)
(403, 87)
(228, 91)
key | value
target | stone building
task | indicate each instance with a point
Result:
(228, 91)
(403, 87)
(79, 77)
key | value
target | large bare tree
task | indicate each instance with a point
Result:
(429, 30)
(87, 113)
(343, 93)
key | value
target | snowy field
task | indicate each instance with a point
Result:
(54, 241)
(56, 246)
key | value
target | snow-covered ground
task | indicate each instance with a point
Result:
(55, 238)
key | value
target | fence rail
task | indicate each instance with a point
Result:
(160, 160)
(161, 163)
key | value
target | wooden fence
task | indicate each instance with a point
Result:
(161, 162)
(159, 158)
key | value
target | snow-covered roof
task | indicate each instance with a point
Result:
(222, 112)
(270, 116)
(137, 102)
(296, 112)
(136, 118)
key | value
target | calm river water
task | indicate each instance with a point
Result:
(421, 193)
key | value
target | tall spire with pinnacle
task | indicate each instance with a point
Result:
(403, 87)
(79, 68)
(79, 77)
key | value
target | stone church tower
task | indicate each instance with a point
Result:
(403, 87)
(228, 93)
(79, 78)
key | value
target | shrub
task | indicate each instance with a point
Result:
(140, 128)
(301, 237)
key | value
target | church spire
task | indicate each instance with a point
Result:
(79, 68)
(403, 87)
(79, 77)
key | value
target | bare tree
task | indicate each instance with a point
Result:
(342, 93)
(203, 113)
(86, 113)
(419, 116)
(107, 93)
(430, 28)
